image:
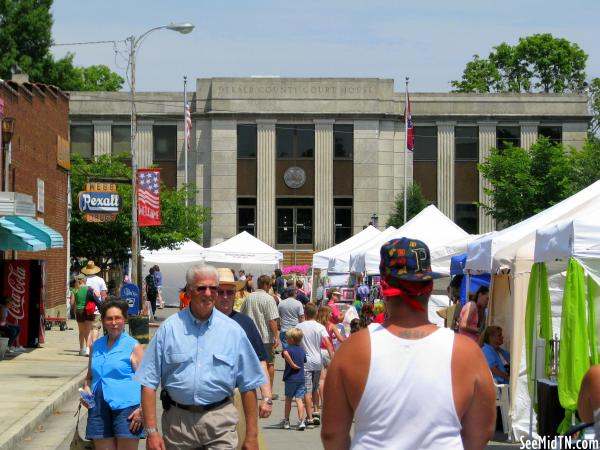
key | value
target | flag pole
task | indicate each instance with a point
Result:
(185, 136)
(405, 148)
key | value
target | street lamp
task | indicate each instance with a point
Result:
(134, 44)
(374, 220)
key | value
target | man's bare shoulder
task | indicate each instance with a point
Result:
(357, 346)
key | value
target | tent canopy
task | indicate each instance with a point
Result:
(578, 238)
(430, 226)
(498, 251)
(340, 262)
(321, 259)
(173, 265)
(243, 248)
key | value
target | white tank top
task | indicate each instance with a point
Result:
(407, 402)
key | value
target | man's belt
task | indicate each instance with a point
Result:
(200, 408)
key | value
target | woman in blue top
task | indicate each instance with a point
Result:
(115, 422)
(497, 358)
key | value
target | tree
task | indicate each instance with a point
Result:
(538, 63)
(586, 164)
(25, 41)
(111, 241)
(594, 94)
(415, 204)
(524, 182)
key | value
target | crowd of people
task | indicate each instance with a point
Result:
(210, 358)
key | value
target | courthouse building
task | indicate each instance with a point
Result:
(303, 163)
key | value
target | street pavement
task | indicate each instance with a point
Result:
(39, 398)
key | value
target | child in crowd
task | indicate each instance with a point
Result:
(355, 326)
(293, 376)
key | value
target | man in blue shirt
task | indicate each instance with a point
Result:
(199, 356)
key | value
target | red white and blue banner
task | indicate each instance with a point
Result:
(148, 187)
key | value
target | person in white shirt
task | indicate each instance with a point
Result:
(98, 284)
(314, 333)
(407, 384)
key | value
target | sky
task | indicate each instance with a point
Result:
(429, 41)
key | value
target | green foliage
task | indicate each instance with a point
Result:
(524, 183)
(25, 41)
(415, 204)
(111, 240)
(536, 63)
(594, 93)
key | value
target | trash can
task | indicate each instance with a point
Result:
(139, 328)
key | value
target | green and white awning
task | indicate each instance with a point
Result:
(40, 231)
(14, 238)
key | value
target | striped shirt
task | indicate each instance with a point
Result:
(261, 308)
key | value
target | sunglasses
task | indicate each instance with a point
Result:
(200, 289)
(229, 292)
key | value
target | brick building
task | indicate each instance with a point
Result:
(34, 182)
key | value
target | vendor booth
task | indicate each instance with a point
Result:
(567, 252)
(508, 255)
(173, 264)
(244, 251)
(321, 259)
(340, 261)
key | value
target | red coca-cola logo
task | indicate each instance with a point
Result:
(17, 277)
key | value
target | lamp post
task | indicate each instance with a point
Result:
(374, 220)
(134, 44)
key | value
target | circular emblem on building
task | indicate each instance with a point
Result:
(294, 177)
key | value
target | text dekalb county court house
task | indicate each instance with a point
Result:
(304, 163)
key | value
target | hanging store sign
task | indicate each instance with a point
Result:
(100, 202)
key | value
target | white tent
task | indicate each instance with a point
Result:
(173, 265)
(430, 226)
(321, 259)
(508, 254)
(244, 251)
(340, 262)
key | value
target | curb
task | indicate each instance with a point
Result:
(36, 417)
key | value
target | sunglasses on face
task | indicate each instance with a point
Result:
(228, 292)
(201, 289)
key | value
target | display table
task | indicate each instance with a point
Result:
(550, 413)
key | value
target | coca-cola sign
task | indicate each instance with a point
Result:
(16, 288)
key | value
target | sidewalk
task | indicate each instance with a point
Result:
(34, 384)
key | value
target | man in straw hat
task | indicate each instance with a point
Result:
(94, 281)
(406, 383)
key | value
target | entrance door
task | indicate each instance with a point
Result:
(294, 225)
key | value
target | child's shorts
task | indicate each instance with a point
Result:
(294, 390)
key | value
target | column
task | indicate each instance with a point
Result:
(324, 214)
(102, 137)
(487, 140)
(366, 170)
(145, 143)
(445, 168)
(223, 180)
(529, 134)
(265, 181)
(386, 161)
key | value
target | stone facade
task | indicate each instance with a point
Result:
(378, 163)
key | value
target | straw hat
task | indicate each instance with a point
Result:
(90, 268)
(226, 279)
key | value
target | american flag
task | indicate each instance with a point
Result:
(148, 197)
(188, 126)
(410, 130)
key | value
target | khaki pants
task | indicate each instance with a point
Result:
(215, 430)
(241, 427)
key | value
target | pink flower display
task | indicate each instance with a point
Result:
(302, 270)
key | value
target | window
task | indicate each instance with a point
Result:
(466, 217)
(425, 144)
(343, 141)
(82, 140)
(506, 135)
(553, 133)
(247, 215)
(295, 141)
(121, 139)
(466, 142)
(246, 141)
(342, 219)
(165, 143)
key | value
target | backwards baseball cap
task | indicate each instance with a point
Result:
(406, 259)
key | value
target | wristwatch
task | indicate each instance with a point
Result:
(151, 430)
(268, 401)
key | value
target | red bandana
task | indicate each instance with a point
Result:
(408, 291)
